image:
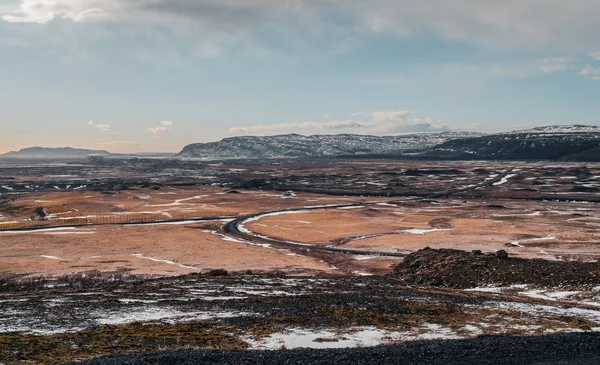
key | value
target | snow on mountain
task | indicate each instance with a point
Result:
(565, 142)
(296, 145)
(558, 129)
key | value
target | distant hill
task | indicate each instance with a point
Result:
(296, 145)
(60, 152)
(560, 143)
(565, 142)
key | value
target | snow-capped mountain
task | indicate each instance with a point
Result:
(558, 129)
(565, 142)
(562, 142)
(296, 145)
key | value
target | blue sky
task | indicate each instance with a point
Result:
(155, 75)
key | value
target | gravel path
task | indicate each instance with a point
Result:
(578, 348)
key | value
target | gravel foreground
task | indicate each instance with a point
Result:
(575, 348)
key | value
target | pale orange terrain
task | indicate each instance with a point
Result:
(529, 230)
(525, 229)
(154, 249)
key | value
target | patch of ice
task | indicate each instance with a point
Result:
(562, 294)
(421, 231)
(436, 331)
(177, 202)
(188, 221)
(497, 289)
(129, 301)
(323, 339)
(70, 233)
(169, 262)
(52, 229)
(51, 257)
(548, 295)
(487, 290)
(156, 314)
(231, 239)
(360, 273)
(544, 310)
(504, 180)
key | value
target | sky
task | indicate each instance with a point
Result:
(156, 75)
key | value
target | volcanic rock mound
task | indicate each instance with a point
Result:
(461, 269)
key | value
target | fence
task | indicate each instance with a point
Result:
(105, 219)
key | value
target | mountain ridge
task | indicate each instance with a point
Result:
(327, 145)
(48, 152)
(565, 142)
(558, 142)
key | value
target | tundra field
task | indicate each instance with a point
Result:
(157, 254)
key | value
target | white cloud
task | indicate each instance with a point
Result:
(590, 72)
(595, 55)
(123, 143)
(260, 128)
(555, 64)
(385, 122)
(207, 50)
(164, 127)
(44, 11)
(101, 127)
(496, 24)
(381, 122)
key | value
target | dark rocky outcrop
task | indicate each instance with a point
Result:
(461, 269)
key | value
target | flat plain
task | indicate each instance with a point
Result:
(289, 253)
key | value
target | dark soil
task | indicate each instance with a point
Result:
(556, 350)
(461, 269)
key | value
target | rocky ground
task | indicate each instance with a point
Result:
(56, 321)
(572, 349)
(461, 269)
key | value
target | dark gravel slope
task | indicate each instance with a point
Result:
(579, 348)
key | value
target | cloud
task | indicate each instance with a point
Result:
(123, 143)
(216, 13)
(385, 122)
(44, 11)
(511, 24)
(381, 122)
(164, 127)
(101, 127)
(554, 64)
(207, 50)
(493, 24)
(590, 72)
(260, 128)
(595, 55)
